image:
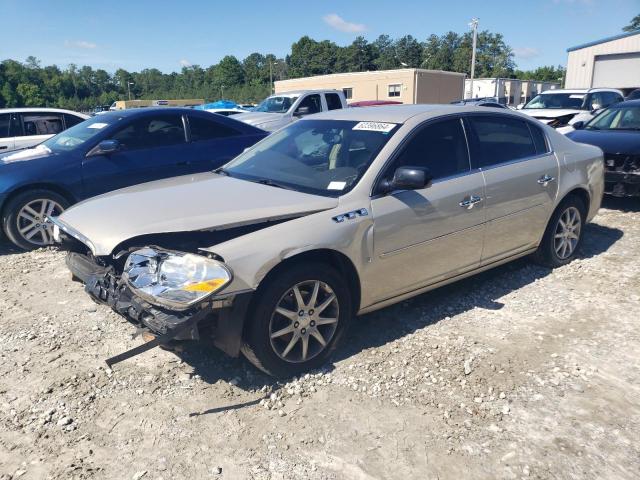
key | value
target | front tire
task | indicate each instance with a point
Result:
(24, 221)
(297, 320)
(563, 236)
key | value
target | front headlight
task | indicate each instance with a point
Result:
(176, 280)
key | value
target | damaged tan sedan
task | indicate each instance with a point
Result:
(336, 215)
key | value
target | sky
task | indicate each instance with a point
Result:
(168, 35)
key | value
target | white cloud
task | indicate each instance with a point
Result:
(336, 21)
(526, 52)
(79, 44)
(185, 63)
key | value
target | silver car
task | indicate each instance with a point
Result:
(336, 215)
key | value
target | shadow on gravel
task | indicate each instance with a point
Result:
(394, 322)
(630, 204)
(7, 248)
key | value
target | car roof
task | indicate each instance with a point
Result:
(299, 92)
(150, 110)
(41, 110)
(396, 113)
(627, 103)
(582, 90)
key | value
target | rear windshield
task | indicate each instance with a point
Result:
(324, 157)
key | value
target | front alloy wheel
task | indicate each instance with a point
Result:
(304, 321)
(26, 217)
(297, 319)
(33, 221)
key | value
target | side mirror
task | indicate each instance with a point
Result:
(595, 107)
(578, 125)
(520, 106)
(408, 178)
(105, 147)
(301, 112)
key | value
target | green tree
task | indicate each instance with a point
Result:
(633, 25)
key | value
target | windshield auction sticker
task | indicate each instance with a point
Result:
(97, 125)
(375, 126)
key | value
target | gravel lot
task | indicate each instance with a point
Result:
(520, 372)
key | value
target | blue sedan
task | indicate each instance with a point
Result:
(108, 152)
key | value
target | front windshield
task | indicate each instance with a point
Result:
(570, 101)
(324, 157)
(77, 135)
(275, 104)
(626, 118)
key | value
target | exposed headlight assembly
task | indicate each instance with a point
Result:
(175, 280)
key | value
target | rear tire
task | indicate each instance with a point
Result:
(563, 236)
(23, 219)
(297, 320)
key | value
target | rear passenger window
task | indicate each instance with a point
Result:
(333, 101)
(41, 123)
(539, 140)
(499, 139)
(441, 147)
(203, 129)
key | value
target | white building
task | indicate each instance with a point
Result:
(610, 62)
(507, 91)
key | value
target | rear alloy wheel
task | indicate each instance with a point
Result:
(26, 222)
(297, 320)
(563, 235)
(567, 233)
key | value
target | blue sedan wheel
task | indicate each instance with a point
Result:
(26, 221)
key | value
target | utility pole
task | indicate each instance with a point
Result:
(129, 88)
(474, 26)
(221, 92)
(271, 75)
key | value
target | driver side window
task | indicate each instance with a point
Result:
(151, 132)
(441, 147)
(312, 102)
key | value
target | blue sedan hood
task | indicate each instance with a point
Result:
(626, 142)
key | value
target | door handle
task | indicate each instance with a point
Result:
(4, 148)
(545, 179)
(468, 203)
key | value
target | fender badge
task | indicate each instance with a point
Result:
(362, 212)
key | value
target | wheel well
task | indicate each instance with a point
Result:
(39, 186)
(338, 260)
(584, 197)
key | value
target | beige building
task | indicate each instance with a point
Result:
(611, 62)
(406, 85)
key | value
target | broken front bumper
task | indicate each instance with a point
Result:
(622, 175)
(221, 317)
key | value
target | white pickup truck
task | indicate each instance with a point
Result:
(281, 109)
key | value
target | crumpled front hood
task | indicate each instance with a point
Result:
(549, 113)
(38, 151)
(257, 118)
(197, 202)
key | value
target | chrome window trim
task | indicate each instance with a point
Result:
(549, 145)
(407, 138)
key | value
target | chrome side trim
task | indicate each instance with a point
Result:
(407, 247)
